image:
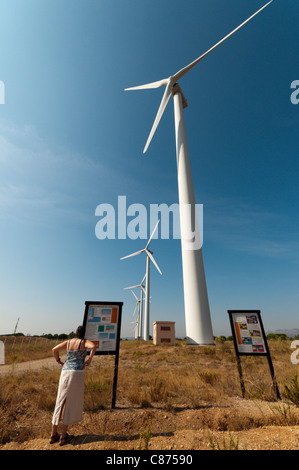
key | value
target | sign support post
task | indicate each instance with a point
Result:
(275, 385)
(116, 364)
(250, 340)
(241, 376)
(102, 323)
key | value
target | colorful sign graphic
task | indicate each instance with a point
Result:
(248, 333)
(102, 323)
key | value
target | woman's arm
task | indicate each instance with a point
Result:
(92, 347)
(56, 350)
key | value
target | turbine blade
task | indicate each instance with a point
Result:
(157, 84)
(153, 260)
(150, 239)
(131, 287)
(186, 69)
(164, 101)
(135, 296)
(134, 312)
(133, 254)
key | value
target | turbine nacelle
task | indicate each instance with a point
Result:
(173, 79)
(147, 251)
(141, 285)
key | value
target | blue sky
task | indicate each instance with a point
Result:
(71, 139)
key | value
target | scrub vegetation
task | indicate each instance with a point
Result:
(159, 383)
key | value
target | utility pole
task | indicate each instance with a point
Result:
(15, 330)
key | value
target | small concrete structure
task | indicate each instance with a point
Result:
(164, 333)
(2, 353)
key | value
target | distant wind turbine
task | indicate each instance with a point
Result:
(197, 310)
(136, 322)
(149, 258)
(139, 304)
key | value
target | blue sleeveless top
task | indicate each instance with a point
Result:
(75, 359)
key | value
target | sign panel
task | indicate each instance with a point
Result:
(248, 332)
(102, 322)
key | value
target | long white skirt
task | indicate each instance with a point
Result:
(70, 397)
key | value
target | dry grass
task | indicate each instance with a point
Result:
(164, 378)
(26, 348)
(190, 375)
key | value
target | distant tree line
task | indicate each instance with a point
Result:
(56, 336)
(61, 336)
(280, 336)
(276, 336)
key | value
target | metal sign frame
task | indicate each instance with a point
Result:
(105, 329)
(250, 340)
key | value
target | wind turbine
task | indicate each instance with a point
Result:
(149, 258)
(197, 311)
(139, 304)
(136, 322)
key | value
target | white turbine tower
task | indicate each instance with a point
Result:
(149, 258)
(197, 311)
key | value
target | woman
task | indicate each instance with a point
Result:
(70, 395)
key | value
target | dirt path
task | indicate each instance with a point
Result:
(49, 362)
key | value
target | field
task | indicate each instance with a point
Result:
(180, 397)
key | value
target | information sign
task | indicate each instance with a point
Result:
(250, 340)
(102, 323)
